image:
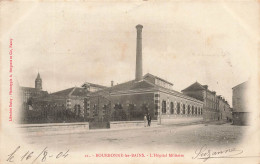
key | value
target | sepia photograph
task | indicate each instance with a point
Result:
(129, 82)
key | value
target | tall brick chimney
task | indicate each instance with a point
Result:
(139, 69)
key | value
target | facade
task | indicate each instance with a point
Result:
(68, 105)
(63, 106)
(131, 100)
(215, 107)
(239, 102)
(72, 99)
(224, 110)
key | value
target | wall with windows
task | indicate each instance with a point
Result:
(225, 111)
(172, 106)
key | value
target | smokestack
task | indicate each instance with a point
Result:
(112, 83)
(139, 69)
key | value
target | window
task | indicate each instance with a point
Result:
(192, 110)
(157, 95)
(156, 107)
(178, 108)
(183, 109)
(188, 109)
(163, 107)
(172, 108)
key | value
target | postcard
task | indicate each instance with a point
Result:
(129, 81)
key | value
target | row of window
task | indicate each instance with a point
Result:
(190, 110)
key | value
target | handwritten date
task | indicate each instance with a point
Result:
(43, 156)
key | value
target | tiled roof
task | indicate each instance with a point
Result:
(131, 85)
(28, 88)
(194, 86)
(139, 86)
(75, 91)
(127, 86)
(64, 92)
(79, 92)
(197, 86)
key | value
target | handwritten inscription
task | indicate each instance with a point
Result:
(204, 153)
(43, 156)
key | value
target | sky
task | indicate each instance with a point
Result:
(69, 43)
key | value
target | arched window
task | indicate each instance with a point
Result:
(163, 107)
(178, 108)
(183, 109)
(172, 108)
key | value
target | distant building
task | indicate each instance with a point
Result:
(202, 93)
(38, 82)
(240, 111)
(215, 107)
(27, 93)
(73, 99)
(224, 110)
(68, 105)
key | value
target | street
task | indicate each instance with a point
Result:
(165, 136)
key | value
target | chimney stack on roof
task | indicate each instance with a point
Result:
(112, 83)
(205, 86)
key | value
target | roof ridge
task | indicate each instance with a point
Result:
(61, 90)
(94, 84)
(72, 91)
(192, 85)
(154, 76)
(240, 84)
(150, 83)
